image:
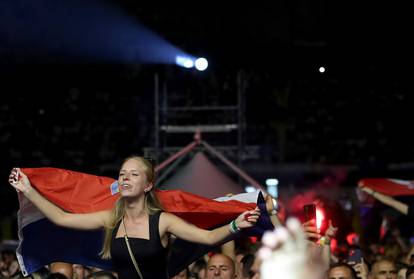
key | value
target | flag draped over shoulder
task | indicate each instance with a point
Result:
(390, 187)
(42, 242)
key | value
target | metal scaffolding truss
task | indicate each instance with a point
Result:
(232, 123)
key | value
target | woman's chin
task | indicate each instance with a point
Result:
(128, 194)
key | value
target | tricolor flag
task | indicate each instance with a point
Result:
(42, 242)
(390, 187)
(401, 190)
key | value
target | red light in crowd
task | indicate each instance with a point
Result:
(320, 216)
(352, 238)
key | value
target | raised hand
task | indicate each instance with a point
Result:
(285, 253)
(361, 269)
(19, 180)
(331, 231)
(248, 219)
(310, 229)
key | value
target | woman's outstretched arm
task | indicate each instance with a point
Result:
(170, 223)
(88, 221)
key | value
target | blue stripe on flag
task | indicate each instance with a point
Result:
(44, 243)
(264, 223)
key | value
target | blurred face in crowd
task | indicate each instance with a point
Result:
(383, 270)
(340, 272)
(78, 271)
(401, 273)
(181, 275)
(411, 259)
(201, 273)
(61, 267)
(8, 257)
(220, 267)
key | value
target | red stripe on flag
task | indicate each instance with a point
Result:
(203, 212)
(82, 193)
(73, 191)
(389, 186)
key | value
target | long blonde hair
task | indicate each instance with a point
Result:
(152, 205)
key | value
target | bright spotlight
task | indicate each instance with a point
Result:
(183, 61)
(201, 64)
(249, 189)
(272, 182)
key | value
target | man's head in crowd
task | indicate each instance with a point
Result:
(341, 271)
(383, 269)
(220, 266)
(182, 275)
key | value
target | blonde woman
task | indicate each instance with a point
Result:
(137, 222)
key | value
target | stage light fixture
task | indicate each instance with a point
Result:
(201, 64)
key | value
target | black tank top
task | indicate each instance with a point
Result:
(150, 255)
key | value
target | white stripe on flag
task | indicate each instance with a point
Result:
(244, 197)
(409, 184)
(27, 214)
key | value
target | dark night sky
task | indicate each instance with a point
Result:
(86, 115)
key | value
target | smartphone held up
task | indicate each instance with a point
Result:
(310, 212)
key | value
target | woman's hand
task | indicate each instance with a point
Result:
(248, 219)
(19, 181)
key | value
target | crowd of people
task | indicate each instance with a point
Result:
(244, 259)
(294, 249)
